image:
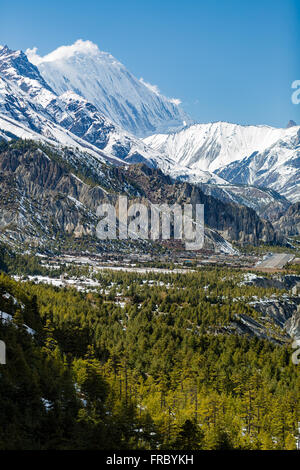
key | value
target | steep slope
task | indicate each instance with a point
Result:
(289, 223)
(28, 99)
(131, 103)
(267, 203)
(214, 145)
(255, 155)
(48, 196)
(234, 222)
(46, 193)
(50, 134)
(277, 167)
(29, 108)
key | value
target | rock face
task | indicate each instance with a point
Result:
(291, 123)
(289, 223)
(279, 320)
(277, 167)
(59, 113)
(42, 197)
(267, 203)
(284, 312)
(234, 222)
(278, 317)
(30, 108)
(278, 282)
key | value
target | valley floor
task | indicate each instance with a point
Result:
(115, 356)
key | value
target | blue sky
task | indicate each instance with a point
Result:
(230, 60)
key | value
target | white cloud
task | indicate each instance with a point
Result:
(33, 57)
(63, 52)
(153, 88)
(175, 101)
(156, 90)
(86, 47)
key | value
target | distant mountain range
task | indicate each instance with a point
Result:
(249, 155)
(81, 99)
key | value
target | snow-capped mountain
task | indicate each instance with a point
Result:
(255, 155)
(219, 155)
(29, 107)
(214, 145)
(83, 141)
(97, 76)
(277, 167)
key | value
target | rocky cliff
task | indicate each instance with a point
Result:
(45, 194)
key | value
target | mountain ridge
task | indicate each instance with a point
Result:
(51, 193)
(131, 103)
(228, 150)
(213, 155)
(26, 98)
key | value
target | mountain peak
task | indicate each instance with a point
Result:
(64, 52)
(15, 66)
(291, 123)
(135, 105)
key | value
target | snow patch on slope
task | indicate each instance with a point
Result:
(213, 145)
(133, 104)
(250, 155)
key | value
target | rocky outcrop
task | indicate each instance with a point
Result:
(276, 281)
(289, 222)
(267, 203)
(278, 320)
(291, 123)
(234, 222)
(42, 197)
(245, 325)
(28, 100)
(283, 312)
